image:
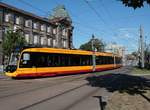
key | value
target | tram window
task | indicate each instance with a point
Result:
(85, 60)
(49, 60)
(37, 59)
(56, 60)
(106, 60)
(26, 56)
(64, 60)
(74, 60)
(27, 60)
(103, 60)
(111, 60)
(98, 60)
(42, 60)
(90, 60)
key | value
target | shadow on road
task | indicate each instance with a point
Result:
(122, 83)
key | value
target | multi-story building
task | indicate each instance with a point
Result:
(56, 32)
(115, 48)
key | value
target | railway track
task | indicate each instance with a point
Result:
(24, 83)
(51, 86)
(59, 81)
(50, 98)
(95, 90)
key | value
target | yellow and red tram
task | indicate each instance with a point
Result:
(36, 62)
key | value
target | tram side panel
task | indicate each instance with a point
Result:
(50, 64)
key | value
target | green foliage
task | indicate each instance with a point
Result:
(135, 54)
(87, 46)
(147, 57)
(135, 3)
(99, 45)
(11, 41)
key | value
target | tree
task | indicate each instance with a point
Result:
(147, 57)
(135, 54)
(99, 45)
(11, 41)
(135, 3)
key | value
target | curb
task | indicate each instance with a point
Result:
(141, 74)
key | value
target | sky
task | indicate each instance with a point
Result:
(108, 20)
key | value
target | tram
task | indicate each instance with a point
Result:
(41, 62)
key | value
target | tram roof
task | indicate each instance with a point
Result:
(66, 51)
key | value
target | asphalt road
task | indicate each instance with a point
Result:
(74, 92)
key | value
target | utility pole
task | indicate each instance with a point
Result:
(145, 43)
(93, 55)
(114, 57)
(141, 47)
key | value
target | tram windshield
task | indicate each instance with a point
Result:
(12, 65)
(13, 59)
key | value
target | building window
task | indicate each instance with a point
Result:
(27, 37)
(49, 41)
(54, 42)
(43, 41)
(27, 23)
(17, 20)
(35, 26)
(48, 29)
(35, 41)
(7, 17)
(6, 29)
(64, 44)
(54, 31)
(64, 32)
(15, 28)
(43, 27)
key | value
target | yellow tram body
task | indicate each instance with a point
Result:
(60, 54)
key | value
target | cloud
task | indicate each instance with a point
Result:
(130, 34)
(90, 0)
(128, 29)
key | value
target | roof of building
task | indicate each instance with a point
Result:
(61, 20)
(24, 12)
(60, 12)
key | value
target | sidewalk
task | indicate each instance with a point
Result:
(2, 76)
(124, 101)
(133, 92)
